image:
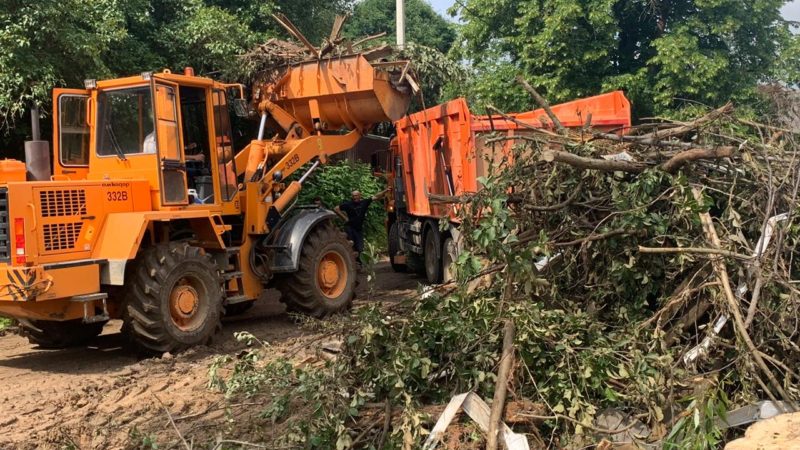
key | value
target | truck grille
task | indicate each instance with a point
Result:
(5, 244)
(62, 202)
(61, 236)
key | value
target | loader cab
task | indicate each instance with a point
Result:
(173, 130)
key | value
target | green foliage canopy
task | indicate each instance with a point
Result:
(658, 51)
(424, 26)
(333, 184)
(50, 43)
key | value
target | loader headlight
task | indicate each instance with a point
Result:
(277, 176)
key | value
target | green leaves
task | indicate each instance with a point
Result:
(660, 53)
(334, 182)
(424, 26)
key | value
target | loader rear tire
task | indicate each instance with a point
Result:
(52, 334)
(325, 281)
(175, 298)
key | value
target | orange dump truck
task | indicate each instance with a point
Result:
(442, 150)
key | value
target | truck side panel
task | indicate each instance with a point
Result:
(443, 149)
(438, 156)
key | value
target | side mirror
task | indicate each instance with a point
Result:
(241, 108)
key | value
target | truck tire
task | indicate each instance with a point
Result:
(394, 248)
(325, 280)
(52, 334)
(432, 250)
(175, 298)
(449, 257)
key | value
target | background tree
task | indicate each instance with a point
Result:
(659, 51)
(54, 43)
(424, 26)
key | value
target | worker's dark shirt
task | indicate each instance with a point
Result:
(356, 213)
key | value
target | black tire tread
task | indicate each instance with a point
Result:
(143, 317)
(433, 273)
(298, 289)
(394, 247)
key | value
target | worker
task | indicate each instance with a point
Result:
(149, 147)
(354, 212)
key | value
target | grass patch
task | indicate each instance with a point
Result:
(5, 323)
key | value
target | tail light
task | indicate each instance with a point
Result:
(19, 235)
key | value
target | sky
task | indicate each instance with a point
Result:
(441, 6)
(791, 11)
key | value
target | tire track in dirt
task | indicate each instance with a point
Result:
(102, 395)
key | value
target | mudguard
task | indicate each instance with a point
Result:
(289, 238)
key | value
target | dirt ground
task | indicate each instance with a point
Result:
(103, 395)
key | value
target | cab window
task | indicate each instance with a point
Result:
(224, 144)
(73, 138)
(125, 122)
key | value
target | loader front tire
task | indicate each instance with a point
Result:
(175, 298)
(52, 334)
(325, 281)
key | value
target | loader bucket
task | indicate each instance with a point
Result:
(347, 92)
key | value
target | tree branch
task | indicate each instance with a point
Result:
(501, 385)
(677, 161)
(543, 103)
(697, 123)
(701, 250)
(592, 163)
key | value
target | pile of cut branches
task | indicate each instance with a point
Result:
(266, 64)
(651, 278)
(675, 238)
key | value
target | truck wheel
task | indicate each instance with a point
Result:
(52, 334)
(449, 256)
(325, 281)
(394, 248)
(174, 300)
(433, 260)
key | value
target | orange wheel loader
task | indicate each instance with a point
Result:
(149, 216)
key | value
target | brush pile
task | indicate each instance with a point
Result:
(674, 244)
(266, 64)
(651, 279)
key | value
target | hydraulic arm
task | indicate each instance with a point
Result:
(320, 108)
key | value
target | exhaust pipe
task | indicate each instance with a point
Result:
(37, 152)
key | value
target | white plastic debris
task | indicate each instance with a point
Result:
(480, 412)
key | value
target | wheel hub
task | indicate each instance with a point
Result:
(185, 299)
(184, 303)
(331, 275)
